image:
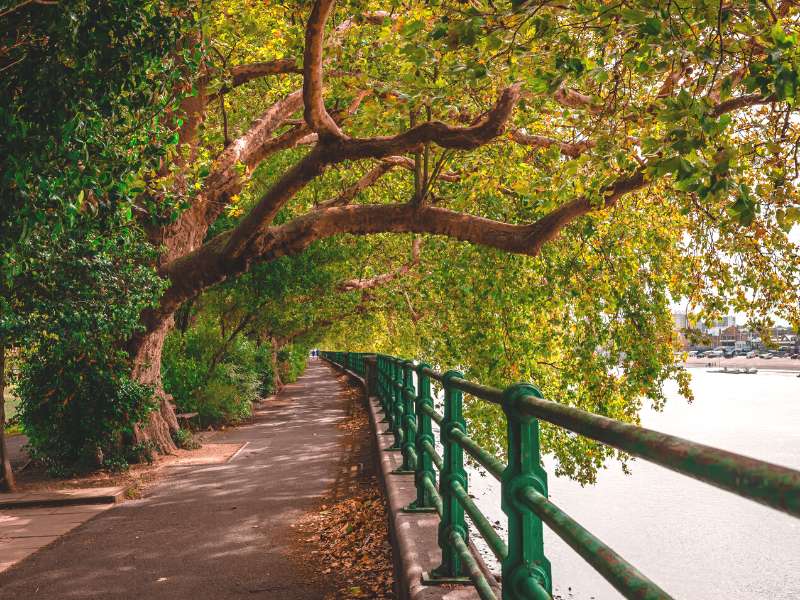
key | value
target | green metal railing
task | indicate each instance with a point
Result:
(525, 570)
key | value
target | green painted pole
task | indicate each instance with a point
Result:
(424, 471)
(386, 397)
(396, 410)
(381, 362)
(409, 419)
(452, 568)
(390, 393)
(526, 567)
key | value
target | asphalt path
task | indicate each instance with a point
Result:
(211, 532)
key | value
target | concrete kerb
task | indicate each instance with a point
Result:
(66, 497)
(413, 536)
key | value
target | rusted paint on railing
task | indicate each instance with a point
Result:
(616, 570)
(763, 482)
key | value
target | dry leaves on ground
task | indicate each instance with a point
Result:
(348, 536)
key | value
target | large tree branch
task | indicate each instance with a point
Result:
(529, 239)
(436, 132)
(745, 101)
(368, 283)
(294, 180)
(227, 179)
(245, 73)
(232, 252)
(257, 148)
(250, 149)
(315, 113)
(324, 155)
(570, 149)
(241, 74)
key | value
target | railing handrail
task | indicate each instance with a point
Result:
(524, 485)
(761, 481)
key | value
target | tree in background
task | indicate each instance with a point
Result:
(246, 338)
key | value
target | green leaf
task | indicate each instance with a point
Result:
(412, 27)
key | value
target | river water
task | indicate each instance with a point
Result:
(695, 541)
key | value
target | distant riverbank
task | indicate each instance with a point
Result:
(738, 362)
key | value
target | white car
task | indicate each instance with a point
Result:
(765, 355)
(751, 354)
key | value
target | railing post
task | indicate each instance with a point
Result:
(452, 568)
(370, 366)
(424, 471)
(396, 425)
(526, 568)
(379, 378)
(408, 419)
(384, 387)
(397, 408)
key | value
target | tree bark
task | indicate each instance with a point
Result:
(7, 483)
(146, 352)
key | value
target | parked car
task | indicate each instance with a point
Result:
(752, 354)
(692, 353)
(765, 355)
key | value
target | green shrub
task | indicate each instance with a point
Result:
(82, 297)
(224, 393)
(185, 439)
(79, 412)
(292, 361)
(266, 370)
(229, 395)
(184, 368)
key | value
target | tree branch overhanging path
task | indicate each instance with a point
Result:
(192, 265)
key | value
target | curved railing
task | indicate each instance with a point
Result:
(409, 411)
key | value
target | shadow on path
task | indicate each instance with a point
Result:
(219, 531)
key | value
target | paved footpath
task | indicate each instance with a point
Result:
(210, 532)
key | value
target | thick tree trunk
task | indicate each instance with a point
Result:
(7, 483)
(146, 352)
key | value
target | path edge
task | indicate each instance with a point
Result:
(413, 536)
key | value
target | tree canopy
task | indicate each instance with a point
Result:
(325, 161)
